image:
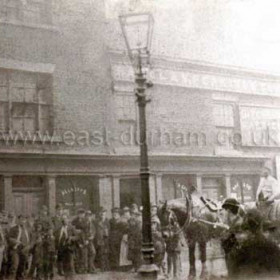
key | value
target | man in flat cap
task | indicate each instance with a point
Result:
(80, 225)
(102, 239)
(117, 230)
(234, 219)
(66, 238)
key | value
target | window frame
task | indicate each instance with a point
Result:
(36, 103)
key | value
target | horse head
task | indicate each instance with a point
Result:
(164, 213)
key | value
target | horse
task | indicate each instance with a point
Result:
(197, 221)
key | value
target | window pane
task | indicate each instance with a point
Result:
(224, 115)
(44, 112)
(45, 96)
(225, 138)
(30, 111)
(3, 116)
(44, 125)
(18, 94)
(3, 78)
(25, 97)
(218, 114)
(29, 125)
(3, 93)
(17, 124)
(30, 95)
(18, 110)
(24, 78)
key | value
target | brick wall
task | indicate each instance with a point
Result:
(75, 45)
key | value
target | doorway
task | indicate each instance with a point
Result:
(28, 195)
(28, 204)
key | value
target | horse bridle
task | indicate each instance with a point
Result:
(187, 221)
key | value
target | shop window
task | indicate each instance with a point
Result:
(171, 185)
(130, 192)
(244, 188)
(213, 188)
(76, 192)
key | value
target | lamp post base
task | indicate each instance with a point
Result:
(148, 271)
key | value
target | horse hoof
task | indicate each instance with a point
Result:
(204, 277)
(191, 277)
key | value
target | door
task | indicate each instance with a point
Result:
(28, 204)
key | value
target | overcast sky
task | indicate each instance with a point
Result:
(235, 32)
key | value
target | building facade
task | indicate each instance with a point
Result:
(69, 120)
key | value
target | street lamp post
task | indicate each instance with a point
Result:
(137, 31)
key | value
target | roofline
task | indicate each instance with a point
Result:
(204, 66)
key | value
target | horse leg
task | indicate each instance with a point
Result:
(192, 273)
(202, 251)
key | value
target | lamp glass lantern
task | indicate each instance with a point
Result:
(137, 30)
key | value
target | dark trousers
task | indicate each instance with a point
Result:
(48, 265)
(80, 258)
(65, 258)
(103, 257)
(18, 265)
(115, 249)
(136, 258)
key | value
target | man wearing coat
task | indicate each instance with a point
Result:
(80, 225)
(57, 224)
(102, 240)
(65, 238)
(117, 230)
(19, 240)
(89, 243)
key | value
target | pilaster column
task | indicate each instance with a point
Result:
(227, 183)
(152, 185)
(8, 193)
(159, 194)
(116, 191)
(105, 189)
(199, 183)
(50, 185)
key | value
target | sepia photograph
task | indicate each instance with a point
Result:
(139, 139)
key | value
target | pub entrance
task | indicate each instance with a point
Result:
(28, 195)
(75, 192)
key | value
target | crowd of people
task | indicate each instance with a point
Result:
(45, 246)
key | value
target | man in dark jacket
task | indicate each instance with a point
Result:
(135, 238)
(89, 243)
(66, 238)
(102, 240)
(80, 225)
(234, 220)
(256, 256)
(117, 230)
(19, 240)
